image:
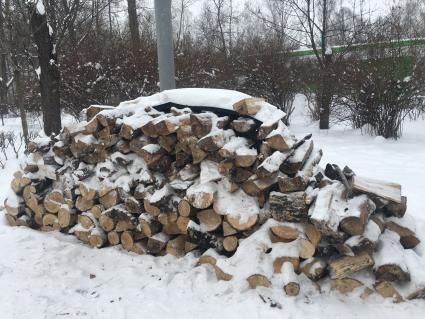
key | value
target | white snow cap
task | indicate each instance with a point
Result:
(219, 98)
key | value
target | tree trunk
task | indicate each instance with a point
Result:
(325, 98)
(20, 102)
(134, 26)
(3, 73)
(50, 76)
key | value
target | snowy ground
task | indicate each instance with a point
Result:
(53, 275)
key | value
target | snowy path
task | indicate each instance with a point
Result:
(48, 275)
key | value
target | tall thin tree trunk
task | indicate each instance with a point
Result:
(50, 75)
(71, 24)
(325, 86)
(20, 101)
(3, 71)
(134, 26)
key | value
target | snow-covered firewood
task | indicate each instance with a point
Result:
(291, 284)
(215, 140)
(157, 243)
(197, 235)
(297, 159)
(243, 125)
(248, 106)
(288, 207)
(348, 265)
(280, 139)
(201, 196)
(314, 268)
(302, 178)
(230, 243)
(382, 189)
(255, 186)
(209, 219)
(93, 110)
(285, 233)
(258, 280)
(408, 237)
(110, 217)
(271, 164)
(176, 246)
(389, 259)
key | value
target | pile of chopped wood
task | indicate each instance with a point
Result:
(232, 189)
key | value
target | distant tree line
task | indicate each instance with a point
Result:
(80, 52)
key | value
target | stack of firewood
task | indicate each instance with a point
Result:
(176, 182)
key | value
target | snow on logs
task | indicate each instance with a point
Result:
(249, 198)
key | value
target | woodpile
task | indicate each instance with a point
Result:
(181, 181)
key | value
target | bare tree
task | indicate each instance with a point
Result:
(133, 23)
(49, 71)
(3, 67)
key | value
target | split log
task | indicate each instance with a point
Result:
(168, 142)
(306, 249)
(297, 159)
(356, 215)
(87, 220)
(53, 201)
(289, 207)
(230, 243)
(209, 219)
(314, 269)
(279, 261)
(367, 241)
(347, 265)
(114, 238)
(215, 140)
(396, 209)
(201, 196)
(51, 220)
(270, 165)
(88, 191)
(345, 285)
(67, 217)
(280, 139)
(83, 205)
(248, 106)
(97, 238)
(132, 205)
(176, 246)
(182, 223)
(220, 274)
(112, 216)
(242, 224)
(243, 125)
(258, 280)
(127, 240)
(390, 264)
(201, 124)
(387, 290)
(157, 242)
(185, 209)
(97, 210)
(382, 189)
(408, 237)
(255, 186)
(93, 110)
(291, 285)
(110, 199)
(313, 234)
(285, 233)
(228, 230)
(196, 235)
